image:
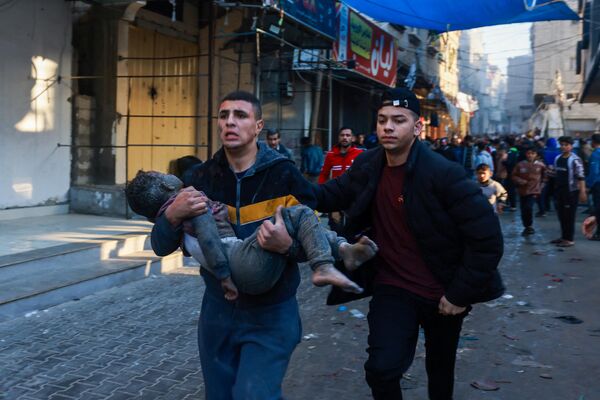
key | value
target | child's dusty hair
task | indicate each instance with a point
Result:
(482, 167)
(149, 190)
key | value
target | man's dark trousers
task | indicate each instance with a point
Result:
(526, 203)
(248, 348)
(566, 208)
(394, 319)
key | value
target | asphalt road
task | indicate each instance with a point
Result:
(139, 340)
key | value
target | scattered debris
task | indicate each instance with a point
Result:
(31, 314)
(538, 253)
(542, 311)
(311, 347)
(507, 296)
(342, 308)
(487, 385)
(575, 259)
(510, 337)
(522, 303)
(310, 336)
(357, 314)
(520, 350)
(546, 376)
(469, 337)
(594, 332)
(569, 319)
(528, 362)
(550, 287)
(557, 280)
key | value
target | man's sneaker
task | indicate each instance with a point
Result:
(566, 243)
(528, 231)
(556, 241)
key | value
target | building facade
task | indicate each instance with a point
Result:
(557, 85)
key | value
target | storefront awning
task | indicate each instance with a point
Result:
(451, 15)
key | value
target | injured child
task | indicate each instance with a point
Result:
(242, 264)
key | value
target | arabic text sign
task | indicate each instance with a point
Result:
(373, 49)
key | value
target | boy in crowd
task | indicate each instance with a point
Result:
(569, 190)
(492, 190)
(529, 177)
(210, 239)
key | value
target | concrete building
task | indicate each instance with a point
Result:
(557, 85)
(589, 52)
(35, 112)
(485, 82)
(519, 93)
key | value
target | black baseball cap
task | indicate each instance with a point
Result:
(400, 97)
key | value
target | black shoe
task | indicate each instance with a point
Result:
(528, 231)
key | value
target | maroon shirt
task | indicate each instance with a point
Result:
(399, 260)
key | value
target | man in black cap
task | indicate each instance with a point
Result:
(440, 244)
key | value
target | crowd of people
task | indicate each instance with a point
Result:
(547, 174)
(432, 251)
(513, 170)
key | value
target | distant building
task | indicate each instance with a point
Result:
(485, 82)
(519, 93)
(588, 51)
(557, 85)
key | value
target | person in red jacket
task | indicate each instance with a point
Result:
(341, 156)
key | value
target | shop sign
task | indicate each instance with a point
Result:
(372, 49)
(316, 14)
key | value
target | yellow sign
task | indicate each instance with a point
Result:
(361, 36)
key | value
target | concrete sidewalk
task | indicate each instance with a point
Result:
(26, 234)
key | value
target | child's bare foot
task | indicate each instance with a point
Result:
(328, 275)
(229, 288)
(354, 255)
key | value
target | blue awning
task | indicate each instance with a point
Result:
(452, 15)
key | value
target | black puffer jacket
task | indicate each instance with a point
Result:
(457, 231)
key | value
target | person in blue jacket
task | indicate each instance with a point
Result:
(593, 181)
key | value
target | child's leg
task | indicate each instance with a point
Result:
(210, 244)
(303, 225)
(254, 270)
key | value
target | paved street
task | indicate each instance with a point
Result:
(139, 340)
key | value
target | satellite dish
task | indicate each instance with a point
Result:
(530, 4)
